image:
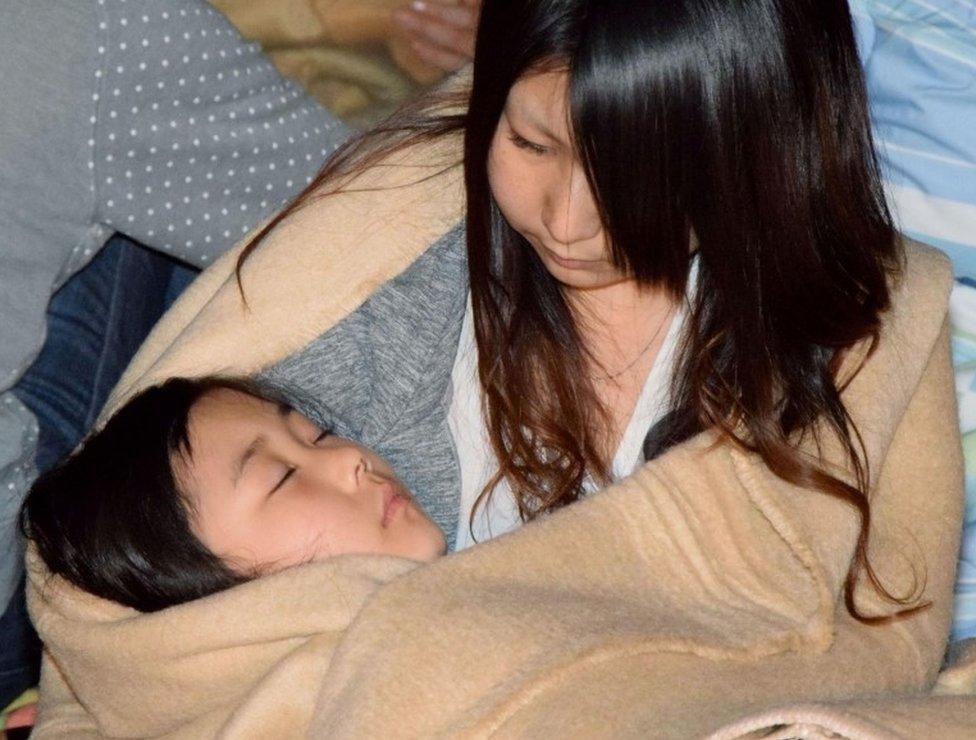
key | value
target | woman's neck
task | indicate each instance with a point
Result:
(620, 314)
(623, 327)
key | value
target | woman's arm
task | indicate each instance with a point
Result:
(680, 694)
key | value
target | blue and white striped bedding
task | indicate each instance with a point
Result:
(920, 61)
(963, 314)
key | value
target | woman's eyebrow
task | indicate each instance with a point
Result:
(251, 450)
(532, 121)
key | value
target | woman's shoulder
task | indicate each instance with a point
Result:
(910, 329)
(924, 281)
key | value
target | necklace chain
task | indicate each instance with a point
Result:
(657, 332)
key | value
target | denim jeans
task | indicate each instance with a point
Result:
(96, 322)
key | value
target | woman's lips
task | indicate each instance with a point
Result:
(394, 501)
(569, 264)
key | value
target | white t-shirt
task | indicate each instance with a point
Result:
(477, 460)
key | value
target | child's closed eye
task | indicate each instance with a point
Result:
(291, 469)
(289, 472)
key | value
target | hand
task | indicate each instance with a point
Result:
(441, 32)
(26, 716)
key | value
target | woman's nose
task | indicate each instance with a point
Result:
(569, 213)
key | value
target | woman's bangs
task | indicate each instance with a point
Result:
(634, 106)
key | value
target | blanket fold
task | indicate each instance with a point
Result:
(241, 663)
(948, 714)
(314, 270)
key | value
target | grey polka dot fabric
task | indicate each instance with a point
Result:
(149, 117)
(196, 137)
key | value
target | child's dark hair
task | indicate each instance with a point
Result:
(111, 518)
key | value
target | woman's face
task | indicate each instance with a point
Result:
(541, 188)
(271, 490)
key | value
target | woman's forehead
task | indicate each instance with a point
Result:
(540, 100)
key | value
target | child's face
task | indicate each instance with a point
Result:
(271, 490)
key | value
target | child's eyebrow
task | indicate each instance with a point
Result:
(283, 410)
(242, 461)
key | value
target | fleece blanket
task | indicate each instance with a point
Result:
(701, 590)
(947, 713)
(241, 663)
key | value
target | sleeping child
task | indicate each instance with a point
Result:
(210, 488)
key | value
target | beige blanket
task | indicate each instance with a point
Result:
(947, 714)
(242, 663)
(699, 591)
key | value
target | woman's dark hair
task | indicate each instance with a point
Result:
(111, 518)
(737, 125)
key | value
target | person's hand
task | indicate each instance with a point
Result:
(441, 32)
(21, 718)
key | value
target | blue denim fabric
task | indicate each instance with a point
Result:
(20, 650)
(96, 322)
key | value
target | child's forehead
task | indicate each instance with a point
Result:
(222, 400)
(223, 409)
(222, 422)
(228, 409)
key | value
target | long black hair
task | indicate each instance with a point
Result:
(112, 520)
(739, 126)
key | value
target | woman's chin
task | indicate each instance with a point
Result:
(581, 274)
(585, 279)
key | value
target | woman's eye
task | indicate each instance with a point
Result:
(325, 433)
(523, 143)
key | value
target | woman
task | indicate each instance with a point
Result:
(579, 278)
(678, 251)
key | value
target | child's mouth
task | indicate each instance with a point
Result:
(394, 502)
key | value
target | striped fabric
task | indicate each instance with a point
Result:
(963, 312)
(920, 62)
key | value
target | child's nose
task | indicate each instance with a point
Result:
(345, 467)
